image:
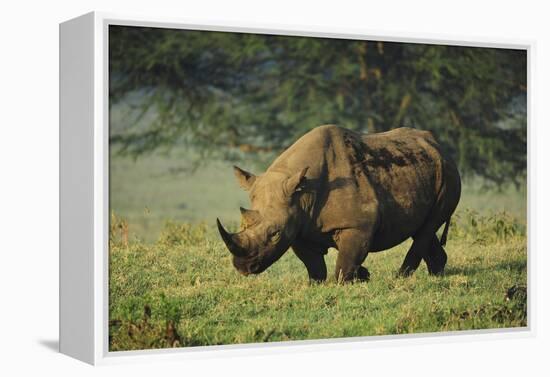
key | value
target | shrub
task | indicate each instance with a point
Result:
(498, 226)
(174, 233)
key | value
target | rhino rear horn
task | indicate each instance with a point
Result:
(249, 216)
(231, 241)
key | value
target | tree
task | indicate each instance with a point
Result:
(256, 93)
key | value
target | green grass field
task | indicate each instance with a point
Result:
(171, 281)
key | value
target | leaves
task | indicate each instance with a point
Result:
(218, 91)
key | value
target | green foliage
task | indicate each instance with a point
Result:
(227, 92)
(487, 228)
(175, 234)
(183, 291)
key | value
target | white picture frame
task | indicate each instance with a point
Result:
(84, 194)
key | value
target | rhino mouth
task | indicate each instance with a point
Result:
(246, 268)
(247, 259)
(251, 266)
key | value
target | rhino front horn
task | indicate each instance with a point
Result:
(231, 241)
(249, 216)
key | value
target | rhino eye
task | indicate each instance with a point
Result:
(275, 236)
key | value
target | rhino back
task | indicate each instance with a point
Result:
(406, 169)
(310, 151)
(387, 180)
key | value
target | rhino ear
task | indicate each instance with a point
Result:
(246, 179)
(296, 182)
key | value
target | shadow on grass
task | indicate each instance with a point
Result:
(516, 266)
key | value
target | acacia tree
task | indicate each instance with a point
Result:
(255, 93)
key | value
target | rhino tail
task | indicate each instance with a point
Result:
(445, 231)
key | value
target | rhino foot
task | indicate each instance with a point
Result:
(361, 274)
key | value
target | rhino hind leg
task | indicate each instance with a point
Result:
(436, 258)
(420, 248)
(425, 247)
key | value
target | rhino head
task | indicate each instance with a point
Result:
(270, 227)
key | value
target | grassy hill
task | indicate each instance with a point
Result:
(172, 283)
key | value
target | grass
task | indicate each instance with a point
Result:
(183, 291)
(171, 281)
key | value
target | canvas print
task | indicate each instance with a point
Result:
(267, 188)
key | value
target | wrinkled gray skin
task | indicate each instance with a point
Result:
(357, 193)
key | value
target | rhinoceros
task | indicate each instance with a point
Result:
(357, 193)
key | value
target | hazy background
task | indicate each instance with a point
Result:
(187, 105)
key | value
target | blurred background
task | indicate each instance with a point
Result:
(187, 105)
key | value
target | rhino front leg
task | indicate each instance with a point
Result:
(353, 246)
(313, 259)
